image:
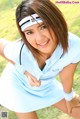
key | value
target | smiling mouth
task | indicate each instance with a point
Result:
(44, 44)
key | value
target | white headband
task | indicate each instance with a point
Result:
(30, 20)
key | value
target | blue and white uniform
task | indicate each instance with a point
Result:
(15, 92)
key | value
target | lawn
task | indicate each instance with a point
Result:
(8, 30)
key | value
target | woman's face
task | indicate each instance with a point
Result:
(40, 38)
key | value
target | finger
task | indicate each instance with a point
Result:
(33, 82)
(38, 83)
(30, 81)
(79, 98)
(69, 110)
(78, 102)
(32, 77)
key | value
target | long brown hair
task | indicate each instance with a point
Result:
(50, 15)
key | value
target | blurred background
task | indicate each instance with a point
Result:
(8, 30)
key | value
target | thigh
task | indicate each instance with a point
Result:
(61, 105)
(30, 115)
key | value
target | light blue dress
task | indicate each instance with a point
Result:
(15, 92)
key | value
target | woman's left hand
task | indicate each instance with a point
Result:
(73, 103)
(32, 80)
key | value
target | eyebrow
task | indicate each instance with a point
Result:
(41, 24)
(37, 26)
(28, 30)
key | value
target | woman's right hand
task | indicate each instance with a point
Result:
(73, 103)
(32, 80)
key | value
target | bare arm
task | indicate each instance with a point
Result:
(32, 80)
(66, 76)
(3, 43)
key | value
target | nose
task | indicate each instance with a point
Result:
(39, 37)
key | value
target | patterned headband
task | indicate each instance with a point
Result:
(30, 20)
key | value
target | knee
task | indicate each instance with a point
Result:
(76, 113)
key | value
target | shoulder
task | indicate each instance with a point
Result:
(12, 50)
(73, 41)
(73, 53)
(16, 44)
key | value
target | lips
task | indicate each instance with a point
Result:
(44, 43)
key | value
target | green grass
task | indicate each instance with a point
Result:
(72, 15)
(6, 4)
(8, 30)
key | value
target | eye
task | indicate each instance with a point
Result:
(29, 32)
(43, 27)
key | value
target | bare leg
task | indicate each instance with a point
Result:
(30, 115)
(62, 106)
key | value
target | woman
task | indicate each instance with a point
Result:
(44, 51)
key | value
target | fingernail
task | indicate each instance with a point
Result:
(37, 83)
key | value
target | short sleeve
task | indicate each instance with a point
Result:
(75, 46)
(77, 56)
(12, 50)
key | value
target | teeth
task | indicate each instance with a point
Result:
(43, 43)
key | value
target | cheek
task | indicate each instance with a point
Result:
(31, 42)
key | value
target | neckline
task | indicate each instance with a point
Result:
(56, 55)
